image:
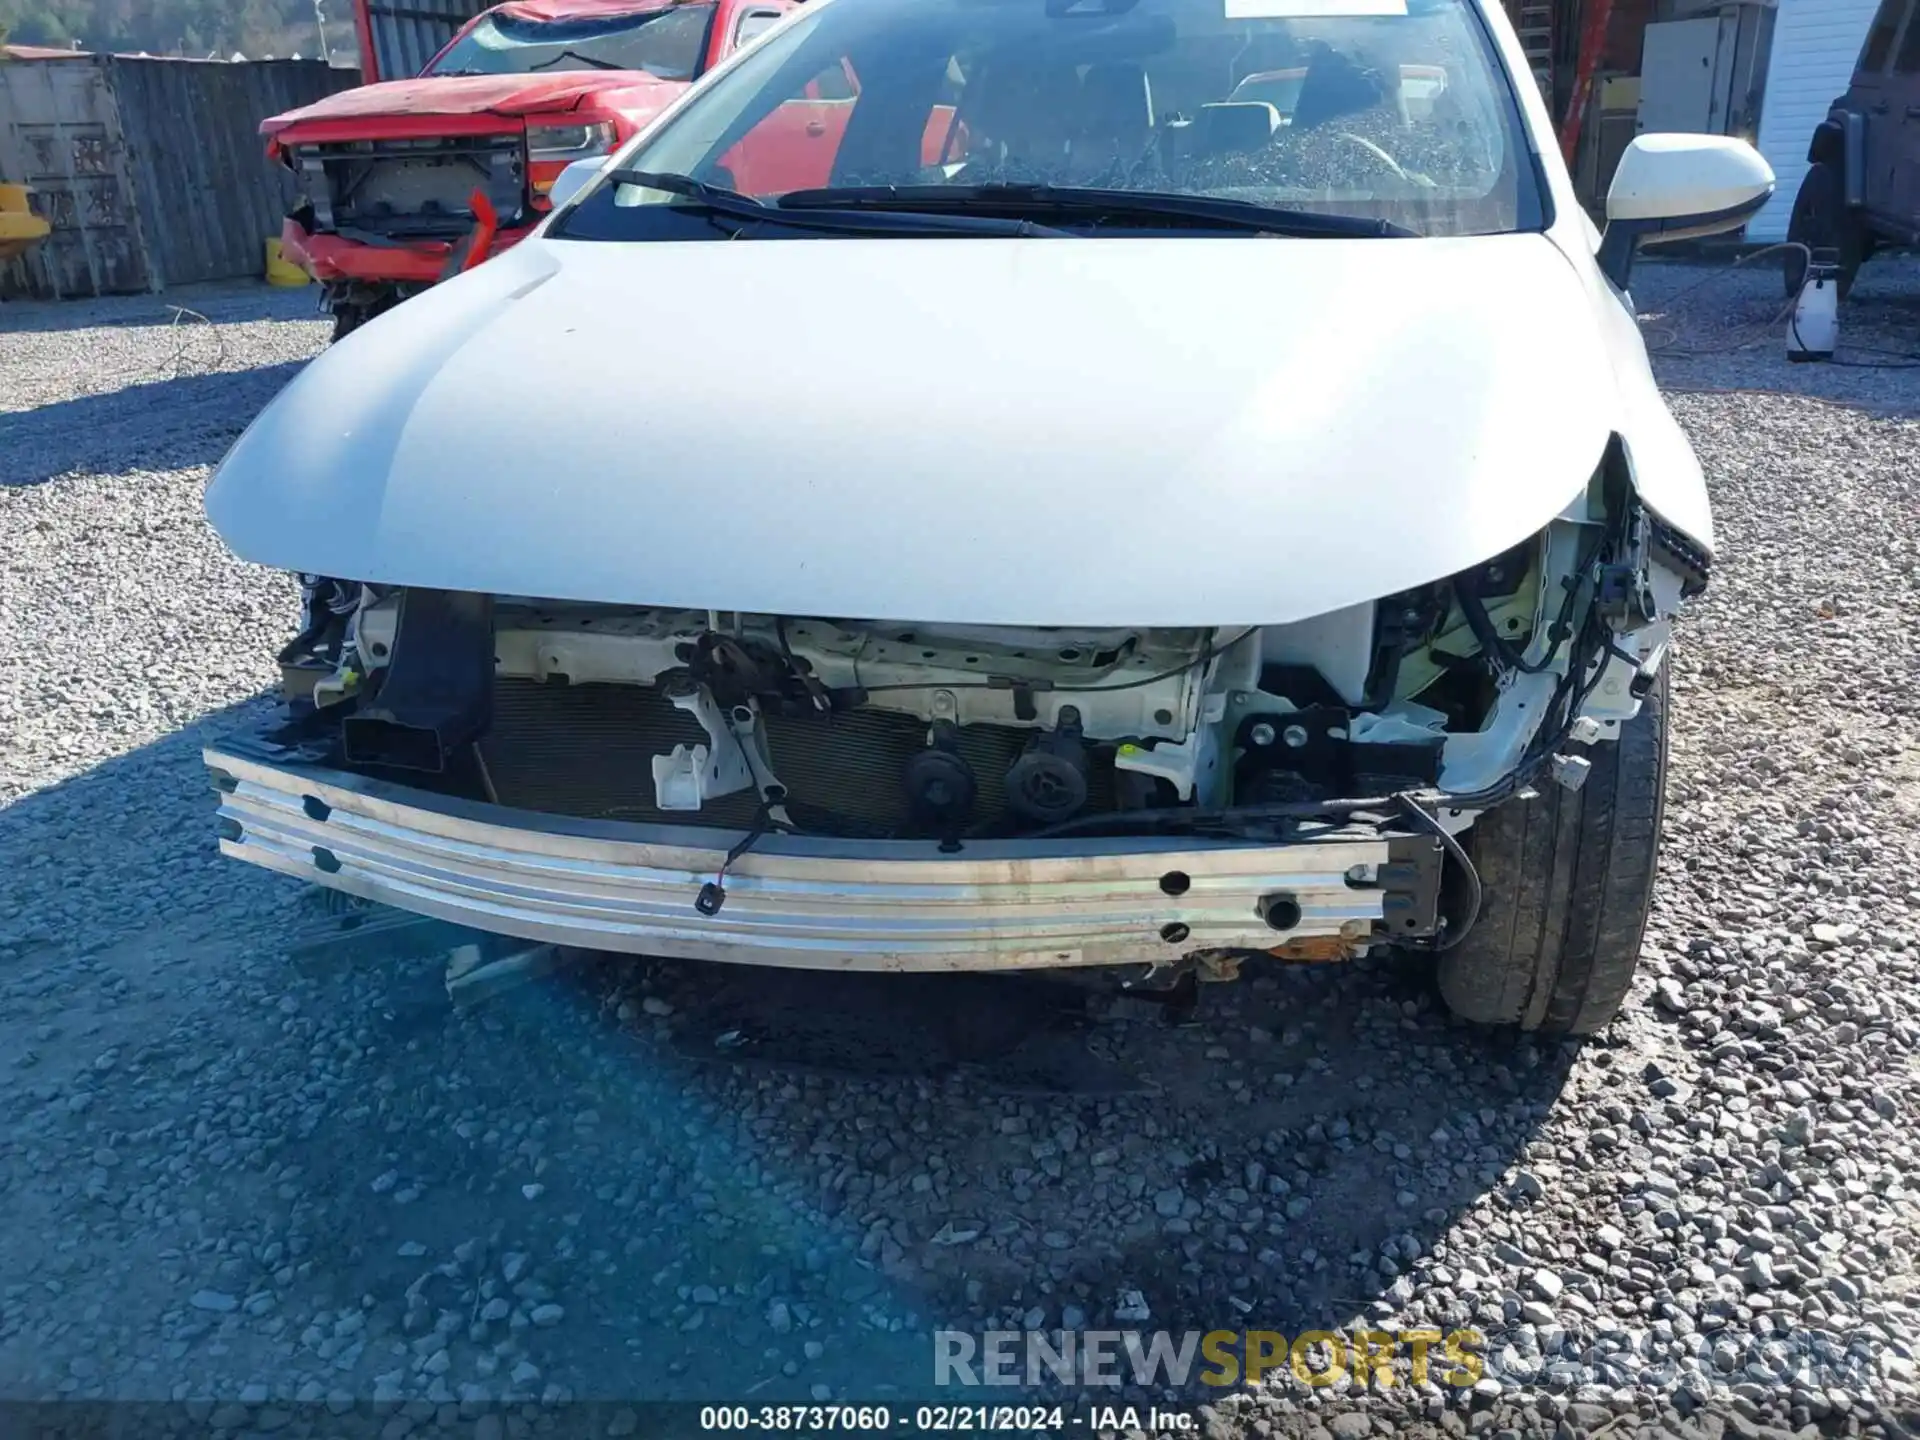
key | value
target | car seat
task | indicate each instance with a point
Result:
(1233, 127)
(1335, 87)
(1023, 117)
(1114, 123)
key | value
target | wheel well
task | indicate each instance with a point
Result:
(1828, 146)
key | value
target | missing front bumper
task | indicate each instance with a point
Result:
(821, 903)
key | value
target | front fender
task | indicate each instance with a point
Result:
(1666, 473)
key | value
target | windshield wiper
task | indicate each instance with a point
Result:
(719, 197)
(719, 200)
(1097, 206)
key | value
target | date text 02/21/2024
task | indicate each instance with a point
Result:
(937, 1419)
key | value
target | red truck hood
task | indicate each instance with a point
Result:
(507, 95)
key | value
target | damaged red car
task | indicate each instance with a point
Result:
(404, 181)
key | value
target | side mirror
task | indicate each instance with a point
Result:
(1678, 187)
(575, 178)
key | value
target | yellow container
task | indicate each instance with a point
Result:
(282, 271)
(20, 228)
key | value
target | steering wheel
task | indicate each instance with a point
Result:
(1372, 149)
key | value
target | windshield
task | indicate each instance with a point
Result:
(666, 43)
(1395, 110)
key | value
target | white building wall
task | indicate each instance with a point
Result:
(1815, 44)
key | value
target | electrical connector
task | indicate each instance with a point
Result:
(1569, 771)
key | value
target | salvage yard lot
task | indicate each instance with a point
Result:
(227, 1176)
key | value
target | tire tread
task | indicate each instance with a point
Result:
(1566, 878)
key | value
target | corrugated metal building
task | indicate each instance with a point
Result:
(1815, 45)
(151, 172)
(398, 37)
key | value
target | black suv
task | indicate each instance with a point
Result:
(1862, 190)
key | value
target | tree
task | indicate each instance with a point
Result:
(166, 26)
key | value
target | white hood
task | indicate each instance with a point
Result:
(1141, 432)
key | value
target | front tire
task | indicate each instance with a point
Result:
(1567, 881)
(1821, 220)
(350, 315)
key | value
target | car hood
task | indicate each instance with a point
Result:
(506, 95)
(1119, 431)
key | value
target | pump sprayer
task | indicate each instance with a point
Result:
(1813, 329)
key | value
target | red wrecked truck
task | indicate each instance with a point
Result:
(403, 181)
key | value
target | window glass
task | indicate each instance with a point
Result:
(752, 24)
(835, 82)
(1405, 116)
(1907, 60)
(1886, 24)
(667, 43)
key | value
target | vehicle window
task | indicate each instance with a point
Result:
(796, 144)
(1907, 60)
(1406, 117)
(1886, 24)
(753, 24)
(666, 43)
(1278, 88)
(835, 82)
(1420, 87)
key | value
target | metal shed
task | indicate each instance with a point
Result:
(1815, 45)
(150, 171)
(398, 37)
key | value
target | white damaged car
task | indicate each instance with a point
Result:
(1003, 484)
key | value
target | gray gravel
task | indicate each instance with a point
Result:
(251, 1183)
(1715, 327)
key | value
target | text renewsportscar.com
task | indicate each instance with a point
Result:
(1363, 1359)
(1213, 1357)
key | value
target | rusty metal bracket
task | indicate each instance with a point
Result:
(1325, 949)
(1217, 966)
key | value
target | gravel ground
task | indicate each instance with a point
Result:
(251, 1183)
(1723, 327)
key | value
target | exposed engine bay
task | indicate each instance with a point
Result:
(1412, 712)
(409, 189)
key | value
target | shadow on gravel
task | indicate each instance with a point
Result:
(1245, 1167)
(218, 301)
(151, 424)
(722, 1179)
(32, 317)
(721, 1171)
(83, 856)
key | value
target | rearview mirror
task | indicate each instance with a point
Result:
(1679, 187)
(575, 178)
